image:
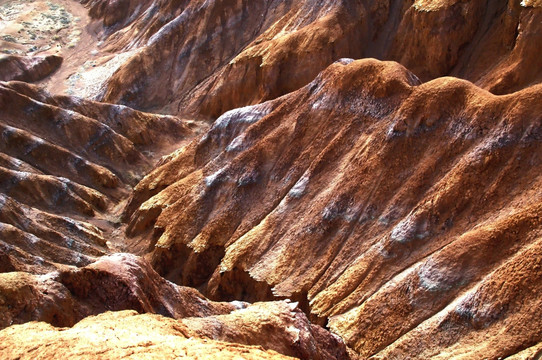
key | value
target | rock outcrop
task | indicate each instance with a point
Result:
(407, 214)
(112, 283)
(66, 165)
(279, 326)
(29, 69)
(328, 207)
(123, 335)
(123, 281)
(254, 51)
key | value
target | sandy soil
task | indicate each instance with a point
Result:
(33, 27)
(60, 27)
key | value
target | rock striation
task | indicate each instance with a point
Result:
(66, 164)
(406, 214)
(255, 51)
(296, 203)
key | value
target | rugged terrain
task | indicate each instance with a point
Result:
(271, 179)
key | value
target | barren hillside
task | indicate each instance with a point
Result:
(271, 179)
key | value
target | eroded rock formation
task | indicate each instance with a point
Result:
(259, 50)
(112, 283)
(391, 207)
(29, 69)
(124, 281)
(122, 335)
(331, 208)
(66, 164)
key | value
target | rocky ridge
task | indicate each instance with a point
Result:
(66, 165)
(378, 198)
(397, 208)
(259, 50)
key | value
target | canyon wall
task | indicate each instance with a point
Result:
(273, 179)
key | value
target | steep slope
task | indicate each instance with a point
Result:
(66, 165)
(488, 43)
(167, 36)
(396, 207)
(407, 214)
(202, 58)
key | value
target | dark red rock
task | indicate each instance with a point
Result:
(26, 68)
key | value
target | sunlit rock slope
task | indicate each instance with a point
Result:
(340, 178)
(407, 214)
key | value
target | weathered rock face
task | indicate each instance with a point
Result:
(254, 51)
(487, 43)
(252, 73)
(123, 335)
(408, 214)
(398, 208)
(112, 283)
(65, 166)
(278, 326)
(124, 281)
(29, 69)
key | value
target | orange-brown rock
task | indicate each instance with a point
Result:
(66, 165)
(394, 206)
(407, 214)
(122, 335)
(531, 353)
(278, 326)
(488, 43)
(172, 30)
(254, 51)
(127, 282)
(115, 282)
(29, 69)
